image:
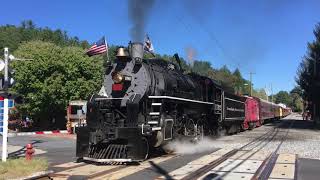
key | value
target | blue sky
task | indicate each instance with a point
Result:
(267, 37)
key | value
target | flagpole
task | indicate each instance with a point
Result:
(105, 42)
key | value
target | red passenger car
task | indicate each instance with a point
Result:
(266, 110)
(252, 119)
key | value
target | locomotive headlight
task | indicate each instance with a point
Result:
(117, 77)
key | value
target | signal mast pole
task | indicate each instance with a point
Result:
(6, 71)
(5, 107)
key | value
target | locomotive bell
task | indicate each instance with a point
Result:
(122, 52)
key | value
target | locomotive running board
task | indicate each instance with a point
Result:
(107, 160)
(179, 99)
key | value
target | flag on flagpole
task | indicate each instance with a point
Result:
(98, 47)
(148, 45)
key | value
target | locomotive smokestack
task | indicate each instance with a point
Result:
(136, 51)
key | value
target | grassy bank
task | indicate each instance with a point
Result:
(15, 168)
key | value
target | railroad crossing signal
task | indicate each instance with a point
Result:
(10, 105)
(5, 105)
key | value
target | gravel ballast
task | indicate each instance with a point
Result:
(297, 136)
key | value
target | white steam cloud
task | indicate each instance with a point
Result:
(187, 147)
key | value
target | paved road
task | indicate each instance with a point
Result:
(57, 149)
(309, 169)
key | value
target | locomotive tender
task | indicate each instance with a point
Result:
(145, 103)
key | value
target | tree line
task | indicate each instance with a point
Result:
(12, 36)
(59, 71)
(308, 75)
(292, 99)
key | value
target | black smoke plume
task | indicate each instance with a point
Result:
(139, 11)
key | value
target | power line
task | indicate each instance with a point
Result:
(234, 62)
(212, 37)
(219, 45)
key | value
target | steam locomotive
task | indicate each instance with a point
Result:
(145, 103)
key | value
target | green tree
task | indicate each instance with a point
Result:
(260, 93)
(55, 76)
(297, 101)
(283, 97)
(306, 77)
(201, 67)
(240, 84)
(297, 90)
(224, 77)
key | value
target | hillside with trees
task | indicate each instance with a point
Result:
(12, 36)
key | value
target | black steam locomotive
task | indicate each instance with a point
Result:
(144, 103)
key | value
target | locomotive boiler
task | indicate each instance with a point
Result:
(145, 103)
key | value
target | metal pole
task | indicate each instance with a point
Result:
(5, 106)
(5, 129)
(251, 82)
(271, 93)
(105, 42)
(6, 69)
(267, 92)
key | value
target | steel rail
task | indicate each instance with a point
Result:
(259, 140)
(266, 169)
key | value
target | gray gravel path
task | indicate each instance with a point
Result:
(299, 137)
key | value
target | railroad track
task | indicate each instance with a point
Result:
(266, 169)
(112, 171)
(245, 152)
(221, 164)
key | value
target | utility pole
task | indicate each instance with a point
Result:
(251, 73)
(271, 93)
(267, 92)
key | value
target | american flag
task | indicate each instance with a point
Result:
(98, 48)
(148, 44)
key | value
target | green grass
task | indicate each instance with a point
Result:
(16, 168)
